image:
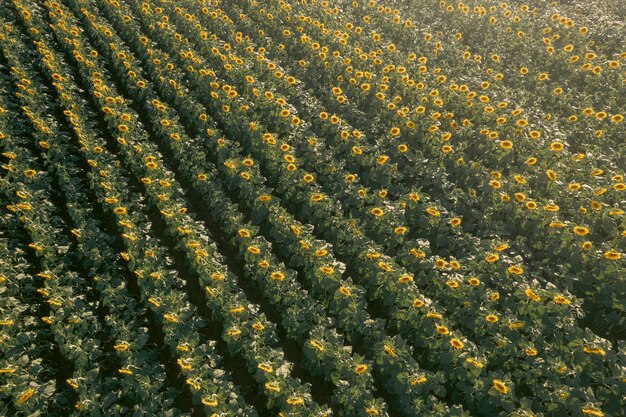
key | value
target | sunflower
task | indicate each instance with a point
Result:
(475, 362)
(594, 350)
(456, 343)
(210, 402)
(417, 303)
(377, 211)
(327, 270)
(25, 396)
(317, 197)
(400, 230)
(266, 367)
(531, 351)
(492, 257)
(491, 318)
(560, 299)
(381, 160)
(452, 284)
(531, 205)
(612, 255)
(580, 230)
(360, 369)
(272, 386)
(495, 184)
(440, 263)
(277, 276)
(500, 386)
(556, 146)
(592, 412)
(442, 330)
(551, 175)
(532, 295)
(455, 221)
(574, 186)
(473, 281)
(345, 291)
(316, 345)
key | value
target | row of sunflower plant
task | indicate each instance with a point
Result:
(23, 367)
(26, 374)
(63, 293)
(161, 289)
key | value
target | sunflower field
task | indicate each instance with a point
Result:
(312, 208)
